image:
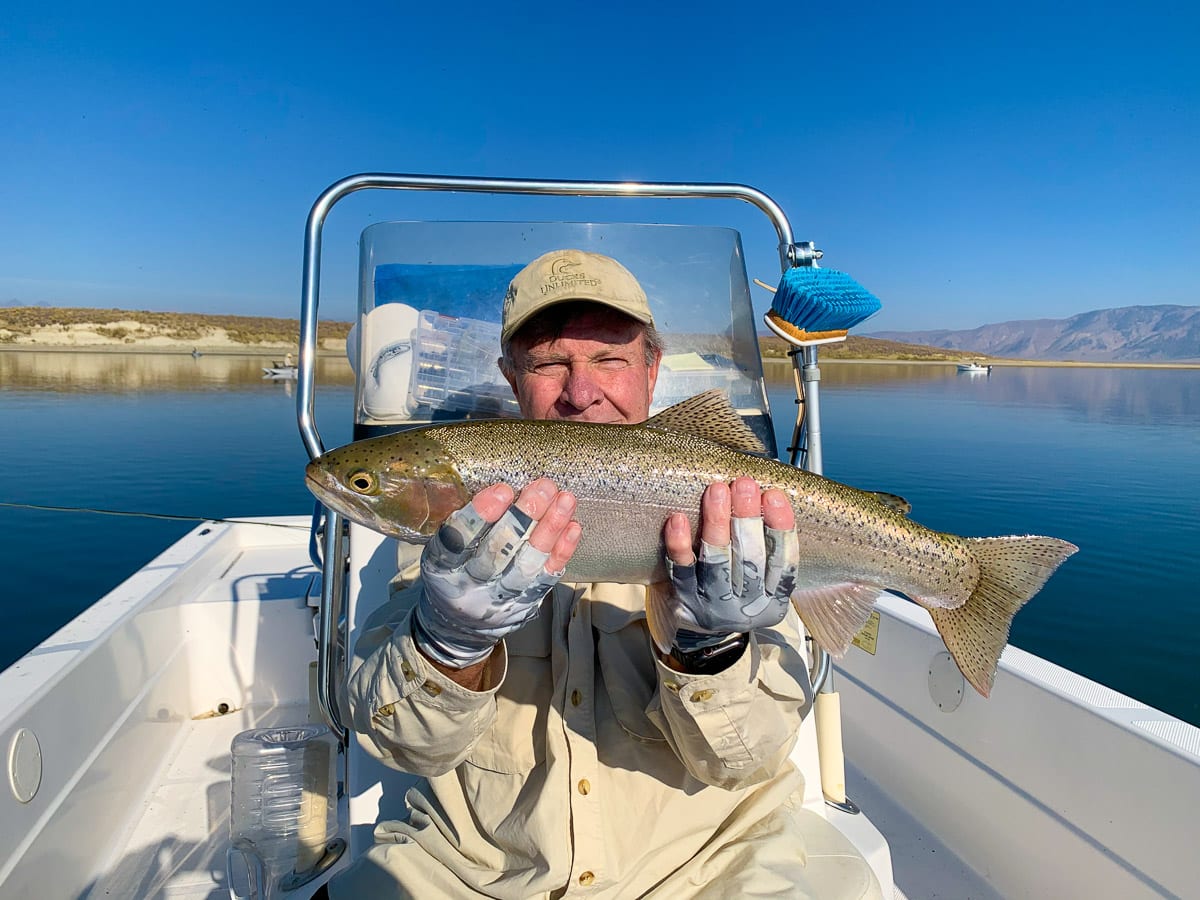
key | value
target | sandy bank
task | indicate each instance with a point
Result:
(775, 363)
(135, 337)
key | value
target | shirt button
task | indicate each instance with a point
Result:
(576, 698)
(671, 686)
(701, 696)
(431, 689)
(586, 878)
(409, 674)
(386, 710)
(585, 787)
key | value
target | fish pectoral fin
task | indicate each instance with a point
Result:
(658, 616)
(835, 613)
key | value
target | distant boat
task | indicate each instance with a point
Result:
(280, 368)
(975, 368)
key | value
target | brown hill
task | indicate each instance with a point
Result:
(77, 326)
(43, 326)
(1150, 334)
(855, 347)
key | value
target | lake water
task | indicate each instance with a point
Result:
(1105, 458)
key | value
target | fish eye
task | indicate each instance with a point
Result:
(362, 481)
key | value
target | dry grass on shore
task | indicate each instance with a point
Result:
(873, 350)
(855, 347)
(142, 331)
(86, 327)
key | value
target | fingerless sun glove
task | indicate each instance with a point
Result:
(480, 582)
(733, 589)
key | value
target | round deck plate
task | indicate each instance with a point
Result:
(946, 683)
(24, 765)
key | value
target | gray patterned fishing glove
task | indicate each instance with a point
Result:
(734, 589)
(480, 583)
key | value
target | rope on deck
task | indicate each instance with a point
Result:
(145, 515)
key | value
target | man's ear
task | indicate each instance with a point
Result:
(652, 374)
(509, 375)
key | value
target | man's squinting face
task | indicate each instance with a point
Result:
(594, 371)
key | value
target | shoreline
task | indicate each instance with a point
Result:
(143, 350)
(769, 362)
(775, 361)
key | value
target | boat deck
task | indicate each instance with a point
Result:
(176, 847)
(132, 791)
(245, 600)
(922, 864)
(134, 795)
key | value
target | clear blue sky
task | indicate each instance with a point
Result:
(969, 163)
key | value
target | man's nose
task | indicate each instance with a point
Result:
(580, 390)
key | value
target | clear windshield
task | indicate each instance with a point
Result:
(430, 295)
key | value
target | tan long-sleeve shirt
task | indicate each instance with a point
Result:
(588, 767)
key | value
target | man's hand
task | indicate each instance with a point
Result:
(746, 570)
(488, 567)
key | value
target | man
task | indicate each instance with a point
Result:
(565, 755)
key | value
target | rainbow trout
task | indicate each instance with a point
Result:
(628, 478)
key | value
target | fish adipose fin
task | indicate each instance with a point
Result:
(891, 501)
(1012, 569)
(835, 613)
(711, 416)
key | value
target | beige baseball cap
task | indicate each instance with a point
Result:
(563, 275)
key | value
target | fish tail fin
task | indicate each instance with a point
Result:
(1012, 570)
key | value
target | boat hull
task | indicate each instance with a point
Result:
(134, 704)
(1103, 786)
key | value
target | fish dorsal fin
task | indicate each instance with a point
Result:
(899, 504)
(711, 416)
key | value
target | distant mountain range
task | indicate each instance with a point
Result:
(1126, 334)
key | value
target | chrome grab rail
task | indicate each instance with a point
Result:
(808, 375)
(790, 254)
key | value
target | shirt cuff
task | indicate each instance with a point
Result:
(417, 679)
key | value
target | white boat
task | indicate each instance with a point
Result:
(281, 368)
(975, 368)
(117, 729)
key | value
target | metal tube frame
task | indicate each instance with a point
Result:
(790, 254)
(808, 376)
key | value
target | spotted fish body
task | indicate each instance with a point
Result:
(627, 479)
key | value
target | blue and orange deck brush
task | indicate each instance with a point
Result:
(818, 306)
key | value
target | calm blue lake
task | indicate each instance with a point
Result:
(1105, 458)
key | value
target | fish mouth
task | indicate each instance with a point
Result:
(326, 488)
(321, 484)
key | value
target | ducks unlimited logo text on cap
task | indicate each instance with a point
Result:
(563, 275)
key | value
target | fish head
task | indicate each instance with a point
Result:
(403, 485)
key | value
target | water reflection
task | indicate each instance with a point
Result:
(125, 372)
(881, 374)
(1068, 452)
(1123, 396)
(1112, 396)
(1116, 396)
